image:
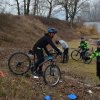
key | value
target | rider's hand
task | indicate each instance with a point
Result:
(59, 53)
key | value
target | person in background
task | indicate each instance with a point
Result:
(96, 54)
(65, 48)
(40, 46)
(83, 43)
(83, 46)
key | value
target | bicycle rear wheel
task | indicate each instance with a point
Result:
(75, 55)
(52, 75)
(19, 63)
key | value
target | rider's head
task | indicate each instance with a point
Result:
(82, 39)
(52, 32)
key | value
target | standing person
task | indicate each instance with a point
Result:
(40, 46)
(83, 46)
(65, 48)
(96, 54)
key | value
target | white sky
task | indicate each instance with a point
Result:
(14, 11)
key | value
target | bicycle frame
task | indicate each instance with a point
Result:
(46, 60)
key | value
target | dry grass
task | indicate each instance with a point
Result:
(27, 29)
(83, 70)
(26, 88)
(83, 30)
(23, 33)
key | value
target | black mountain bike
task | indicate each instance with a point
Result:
(20, 63)
(78, 54)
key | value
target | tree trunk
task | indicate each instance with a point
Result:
(66, 9)
(35, 4)
(50, 10)
(25, 7)
(37, 7)
(28, 6)
(74, 11)
(18, 8)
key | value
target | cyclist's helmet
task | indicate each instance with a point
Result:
(52, 30)
(98, 42)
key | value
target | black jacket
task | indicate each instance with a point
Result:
(98, 57)
(43, 42)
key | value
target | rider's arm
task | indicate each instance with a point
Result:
(53, 46)
(95, 54)
(47, 52)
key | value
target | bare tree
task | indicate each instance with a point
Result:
(35, 10)
(50, 7)
(25, 5)
(70, 9)
(28, 6)
(18, 8)
(25, 11)
(72, 13)
(44, 7)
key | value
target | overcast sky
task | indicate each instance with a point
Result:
(14, 11)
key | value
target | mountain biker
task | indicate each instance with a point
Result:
(96, 54)
(38, 48)
(65, 48)
(83, 46)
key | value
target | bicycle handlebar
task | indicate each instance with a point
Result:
(50, 57)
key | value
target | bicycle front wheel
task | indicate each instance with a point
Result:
(87, 54)
(75, 55)
(52, 75)
(87, 61)
(19, 63)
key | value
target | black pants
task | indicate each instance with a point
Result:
(65, 55)
(83, 53)
(98, 69)
(40, 58)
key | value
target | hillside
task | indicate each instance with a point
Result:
(27, 29)
(19, 33)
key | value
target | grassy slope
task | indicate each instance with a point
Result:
(26, 88)
(19, 34)
(24, 30)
